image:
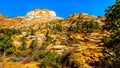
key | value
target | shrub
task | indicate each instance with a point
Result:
(50, 60)
(58, 27)
(23, 54)
(32, 45)
(64, 60)
(75, 28)
(90, 26)
(39, 55)
(23, 46)
(6, 46)
(10, 32)
(32, 32)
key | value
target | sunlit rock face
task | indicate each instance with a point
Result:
(1, 16)
(41, 13)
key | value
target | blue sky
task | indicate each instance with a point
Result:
(63, 8)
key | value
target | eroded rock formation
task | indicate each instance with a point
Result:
(41, 13)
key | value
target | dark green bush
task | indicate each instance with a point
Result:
(23, 45)
(39, 55)
(10, 32)
(50, 60)
(23, 54)
(58, 27)
(86, 27)
(32, 45)
(32, 32)
(75, 28)
(6, 45)
(90, 26)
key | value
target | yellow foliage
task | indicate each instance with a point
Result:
(18, 65)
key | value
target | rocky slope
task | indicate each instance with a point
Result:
(86, 48)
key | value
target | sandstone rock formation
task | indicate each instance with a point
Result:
(1, 16)
(34, 17)
(41, 13)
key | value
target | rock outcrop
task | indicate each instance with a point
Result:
(41, 13)
(1, 16)
(34, 17)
